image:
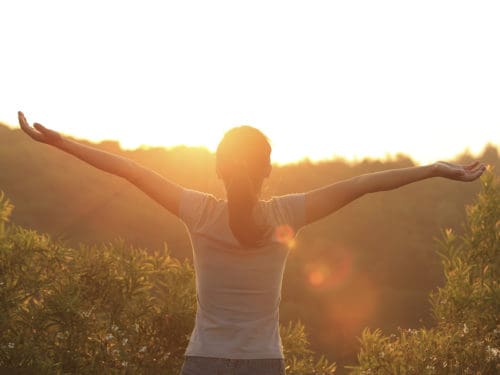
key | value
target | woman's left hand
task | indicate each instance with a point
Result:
(39, 132)
(459, 172)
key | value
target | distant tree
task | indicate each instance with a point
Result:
(466, 339)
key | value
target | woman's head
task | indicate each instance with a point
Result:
(243, 150)
(243, 162)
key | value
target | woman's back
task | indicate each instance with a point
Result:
(238, 288)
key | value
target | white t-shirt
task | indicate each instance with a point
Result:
(238, 289)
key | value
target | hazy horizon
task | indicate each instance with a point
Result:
(386, 157)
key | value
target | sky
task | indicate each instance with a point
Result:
(320, 78)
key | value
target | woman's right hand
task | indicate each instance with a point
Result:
(469, 172)
(39, 132)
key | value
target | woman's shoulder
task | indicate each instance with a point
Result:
(284, 199)
(287, 209)
(187, 192)
(196, 205)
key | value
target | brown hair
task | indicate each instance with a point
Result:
(243, 161)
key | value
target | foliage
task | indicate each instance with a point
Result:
(5, 211)
(466, 339)
(91, 310)
(299, 358)
(66, 198)
(102, 309)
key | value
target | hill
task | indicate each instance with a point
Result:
(370, 264)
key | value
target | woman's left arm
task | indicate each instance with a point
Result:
(159, 188)
(328, 199)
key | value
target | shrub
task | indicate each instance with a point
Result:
(466, 338)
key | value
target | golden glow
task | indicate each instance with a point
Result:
(317, 277)
(332, 274)
(181, 76)
(285, 234)
(352, 309)
(351, 298)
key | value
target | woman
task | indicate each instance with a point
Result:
(238, 250)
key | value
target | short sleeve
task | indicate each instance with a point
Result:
(195, 208)
(290, 210)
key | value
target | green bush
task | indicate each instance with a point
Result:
(466, 339)
(298, 357)
(102, 309)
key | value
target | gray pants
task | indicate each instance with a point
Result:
(222, 366)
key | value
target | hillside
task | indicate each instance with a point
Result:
(370, 264)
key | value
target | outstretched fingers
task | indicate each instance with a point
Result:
(22, 121)
(471, 165)
(477, 174)
(49, 136)
(40, 128)
(39, 132)
(474, 171)
(27, 128)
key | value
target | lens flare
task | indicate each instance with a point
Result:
(284, 234)
(342, 262)
(353, 308)
(316, 278)
(333, 271)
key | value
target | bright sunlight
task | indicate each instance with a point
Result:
(350, 79)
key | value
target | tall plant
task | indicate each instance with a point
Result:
(466, 339)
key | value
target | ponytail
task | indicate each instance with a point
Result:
(242, 159)
(241, 199)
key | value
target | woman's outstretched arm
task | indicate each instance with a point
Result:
(328, 199)
(153, 184)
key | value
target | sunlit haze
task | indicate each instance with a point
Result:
(320, 78)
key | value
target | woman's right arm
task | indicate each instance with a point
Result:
(163, 191)
(328, 199)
